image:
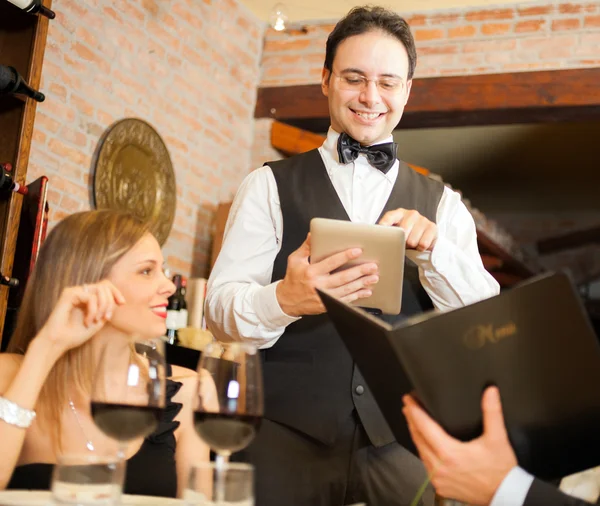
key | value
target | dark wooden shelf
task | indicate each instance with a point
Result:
(17, 99)
(22, 45)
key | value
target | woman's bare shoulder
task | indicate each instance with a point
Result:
(182, 374)
(187, 377)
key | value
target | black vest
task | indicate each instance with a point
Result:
(310, 378)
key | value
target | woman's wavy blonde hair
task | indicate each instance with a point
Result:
(81, 249)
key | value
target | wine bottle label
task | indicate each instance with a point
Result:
(172, 319)
(23, 4)
(183, 318)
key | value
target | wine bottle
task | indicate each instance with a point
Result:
(11, 83)
(7, 281)
(34, 7)
(7, 184)
(173, 307)
(183, 312)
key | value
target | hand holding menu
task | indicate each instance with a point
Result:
(534, 342)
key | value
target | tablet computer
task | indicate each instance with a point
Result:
(380, 244)
(534, 341)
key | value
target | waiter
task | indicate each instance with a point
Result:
(323, 440)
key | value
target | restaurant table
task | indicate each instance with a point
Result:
(44, 498)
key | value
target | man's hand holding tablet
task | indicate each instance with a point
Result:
(296, 292)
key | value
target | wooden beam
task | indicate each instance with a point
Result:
(568, 241)
(292, 141)
(553, 95)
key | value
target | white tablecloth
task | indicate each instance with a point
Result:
(39, 498)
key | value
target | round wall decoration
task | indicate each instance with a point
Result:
(132, 171)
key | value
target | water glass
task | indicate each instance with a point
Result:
(238, 485)
(87, 480)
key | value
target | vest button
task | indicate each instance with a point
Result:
(359, 390)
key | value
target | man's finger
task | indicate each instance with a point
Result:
(408, 223)
(413, 240)
(493, 419)
(428, 239)
(351, 276)
(392, 217)
(332, 262)
(426, 452)
(359, 294)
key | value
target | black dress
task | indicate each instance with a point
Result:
(151, 471)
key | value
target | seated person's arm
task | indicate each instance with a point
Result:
(21, 379)
(78, 315)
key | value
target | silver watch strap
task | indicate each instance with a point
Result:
(14, 414)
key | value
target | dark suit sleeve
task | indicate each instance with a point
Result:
(544, 494)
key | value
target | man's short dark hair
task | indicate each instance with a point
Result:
(366, 19)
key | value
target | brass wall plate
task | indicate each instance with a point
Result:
(132, 171)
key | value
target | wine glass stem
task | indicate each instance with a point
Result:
(122, 450)
(221, 461)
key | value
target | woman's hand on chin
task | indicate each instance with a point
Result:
(81, 311)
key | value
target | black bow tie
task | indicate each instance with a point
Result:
(380, 156)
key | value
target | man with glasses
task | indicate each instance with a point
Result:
(323, 440)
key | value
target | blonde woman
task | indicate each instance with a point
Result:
(98, 279)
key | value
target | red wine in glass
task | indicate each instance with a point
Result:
(128, 395)
(229, 404)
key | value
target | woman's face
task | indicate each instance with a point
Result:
(139, 276)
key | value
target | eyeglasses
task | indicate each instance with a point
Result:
(358, 82)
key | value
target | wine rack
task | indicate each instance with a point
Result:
(22, 44)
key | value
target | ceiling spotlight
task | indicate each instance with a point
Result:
(278, 17)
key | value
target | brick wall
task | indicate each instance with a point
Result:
(188, 67)
(524, 37)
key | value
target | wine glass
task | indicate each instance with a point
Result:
(229, 404)
(128, 394)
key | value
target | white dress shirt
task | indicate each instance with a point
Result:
(514, 488)
(241, 300)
